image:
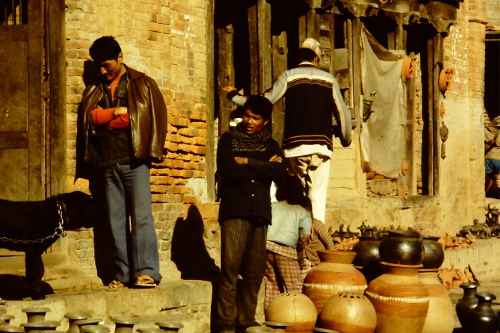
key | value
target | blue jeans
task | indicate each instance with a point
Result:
(128, 195)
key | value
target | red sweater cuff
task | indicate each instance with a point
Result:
(122, 121)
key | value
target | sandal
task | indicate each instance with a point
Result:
(145, 281)
(116, 285)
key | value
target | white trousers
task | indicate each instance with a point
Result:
(314, 171)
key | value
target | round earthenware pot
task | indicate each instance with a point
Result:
(433, 253)
(368, 257)
(400, 299)
(323, 330)
(441, 314)
(402, 247)
(467, 302)
(296, 309)
(348, 312)
(483, 318)
(333, 274)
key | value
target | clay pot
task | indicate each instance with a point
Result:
(296, 309)
(324, 330)
(169, 326)
(124, 324)
(400, 299)
(402, 247)
(348, 312)
(150, 330)
(74, 316)
(90, 321)
(433, 253)
(441, 314)
(35, 314)
(482, 318)
(95, 329)
(259, 329)
(333, 274)
(38, 326)
(368, 257)
(277, 327)
(467, 302)
(11, 329)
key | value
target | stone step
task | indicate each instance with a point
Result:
(186, 302)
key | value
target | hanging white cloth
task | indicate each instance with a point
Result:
(382, 134)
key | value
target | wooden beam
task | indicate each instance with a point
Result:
(280, 52)
(437, 54)
(264, 37)
(56, 108)
(225, 75)
(210, 97)
(253, 39)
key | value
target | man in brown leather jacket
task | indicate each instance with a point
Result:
(122, 125)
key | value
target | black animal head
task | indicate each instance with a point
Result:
(77, 210)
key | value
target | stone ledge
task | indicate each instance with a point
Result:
(483, 258)
(186, 301)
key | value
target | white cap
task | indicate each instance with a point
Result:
(312, 44)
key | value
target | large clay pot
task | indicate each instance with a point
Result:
(441, 314)
(467, 302)
(348, 312)
(482, 318)
(400, 299)
(403, 247)
(296, 309)
(368, 257)
(333, 274)
(433, 253)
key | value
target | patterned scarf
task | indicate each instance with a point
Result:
(245, 142)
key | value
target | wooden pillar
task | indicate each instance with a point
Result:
(280, 52)
(55, 77)
(253, 40)
(309, 26)
(265, 52)
(259, 31)
(437, 54)
(225, 76)
(210, 98)
(354, 58)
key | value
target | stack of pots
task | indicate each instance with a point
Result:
(335, 273)
(474, 310)
(441, 315)
(400, 299)
(368, 256)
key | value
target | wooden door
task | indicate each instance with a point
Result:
(22, 122)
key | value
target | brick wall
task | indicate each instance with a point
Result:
(167, 41)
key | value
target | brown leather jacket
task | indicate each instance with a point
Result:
(148, 121)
